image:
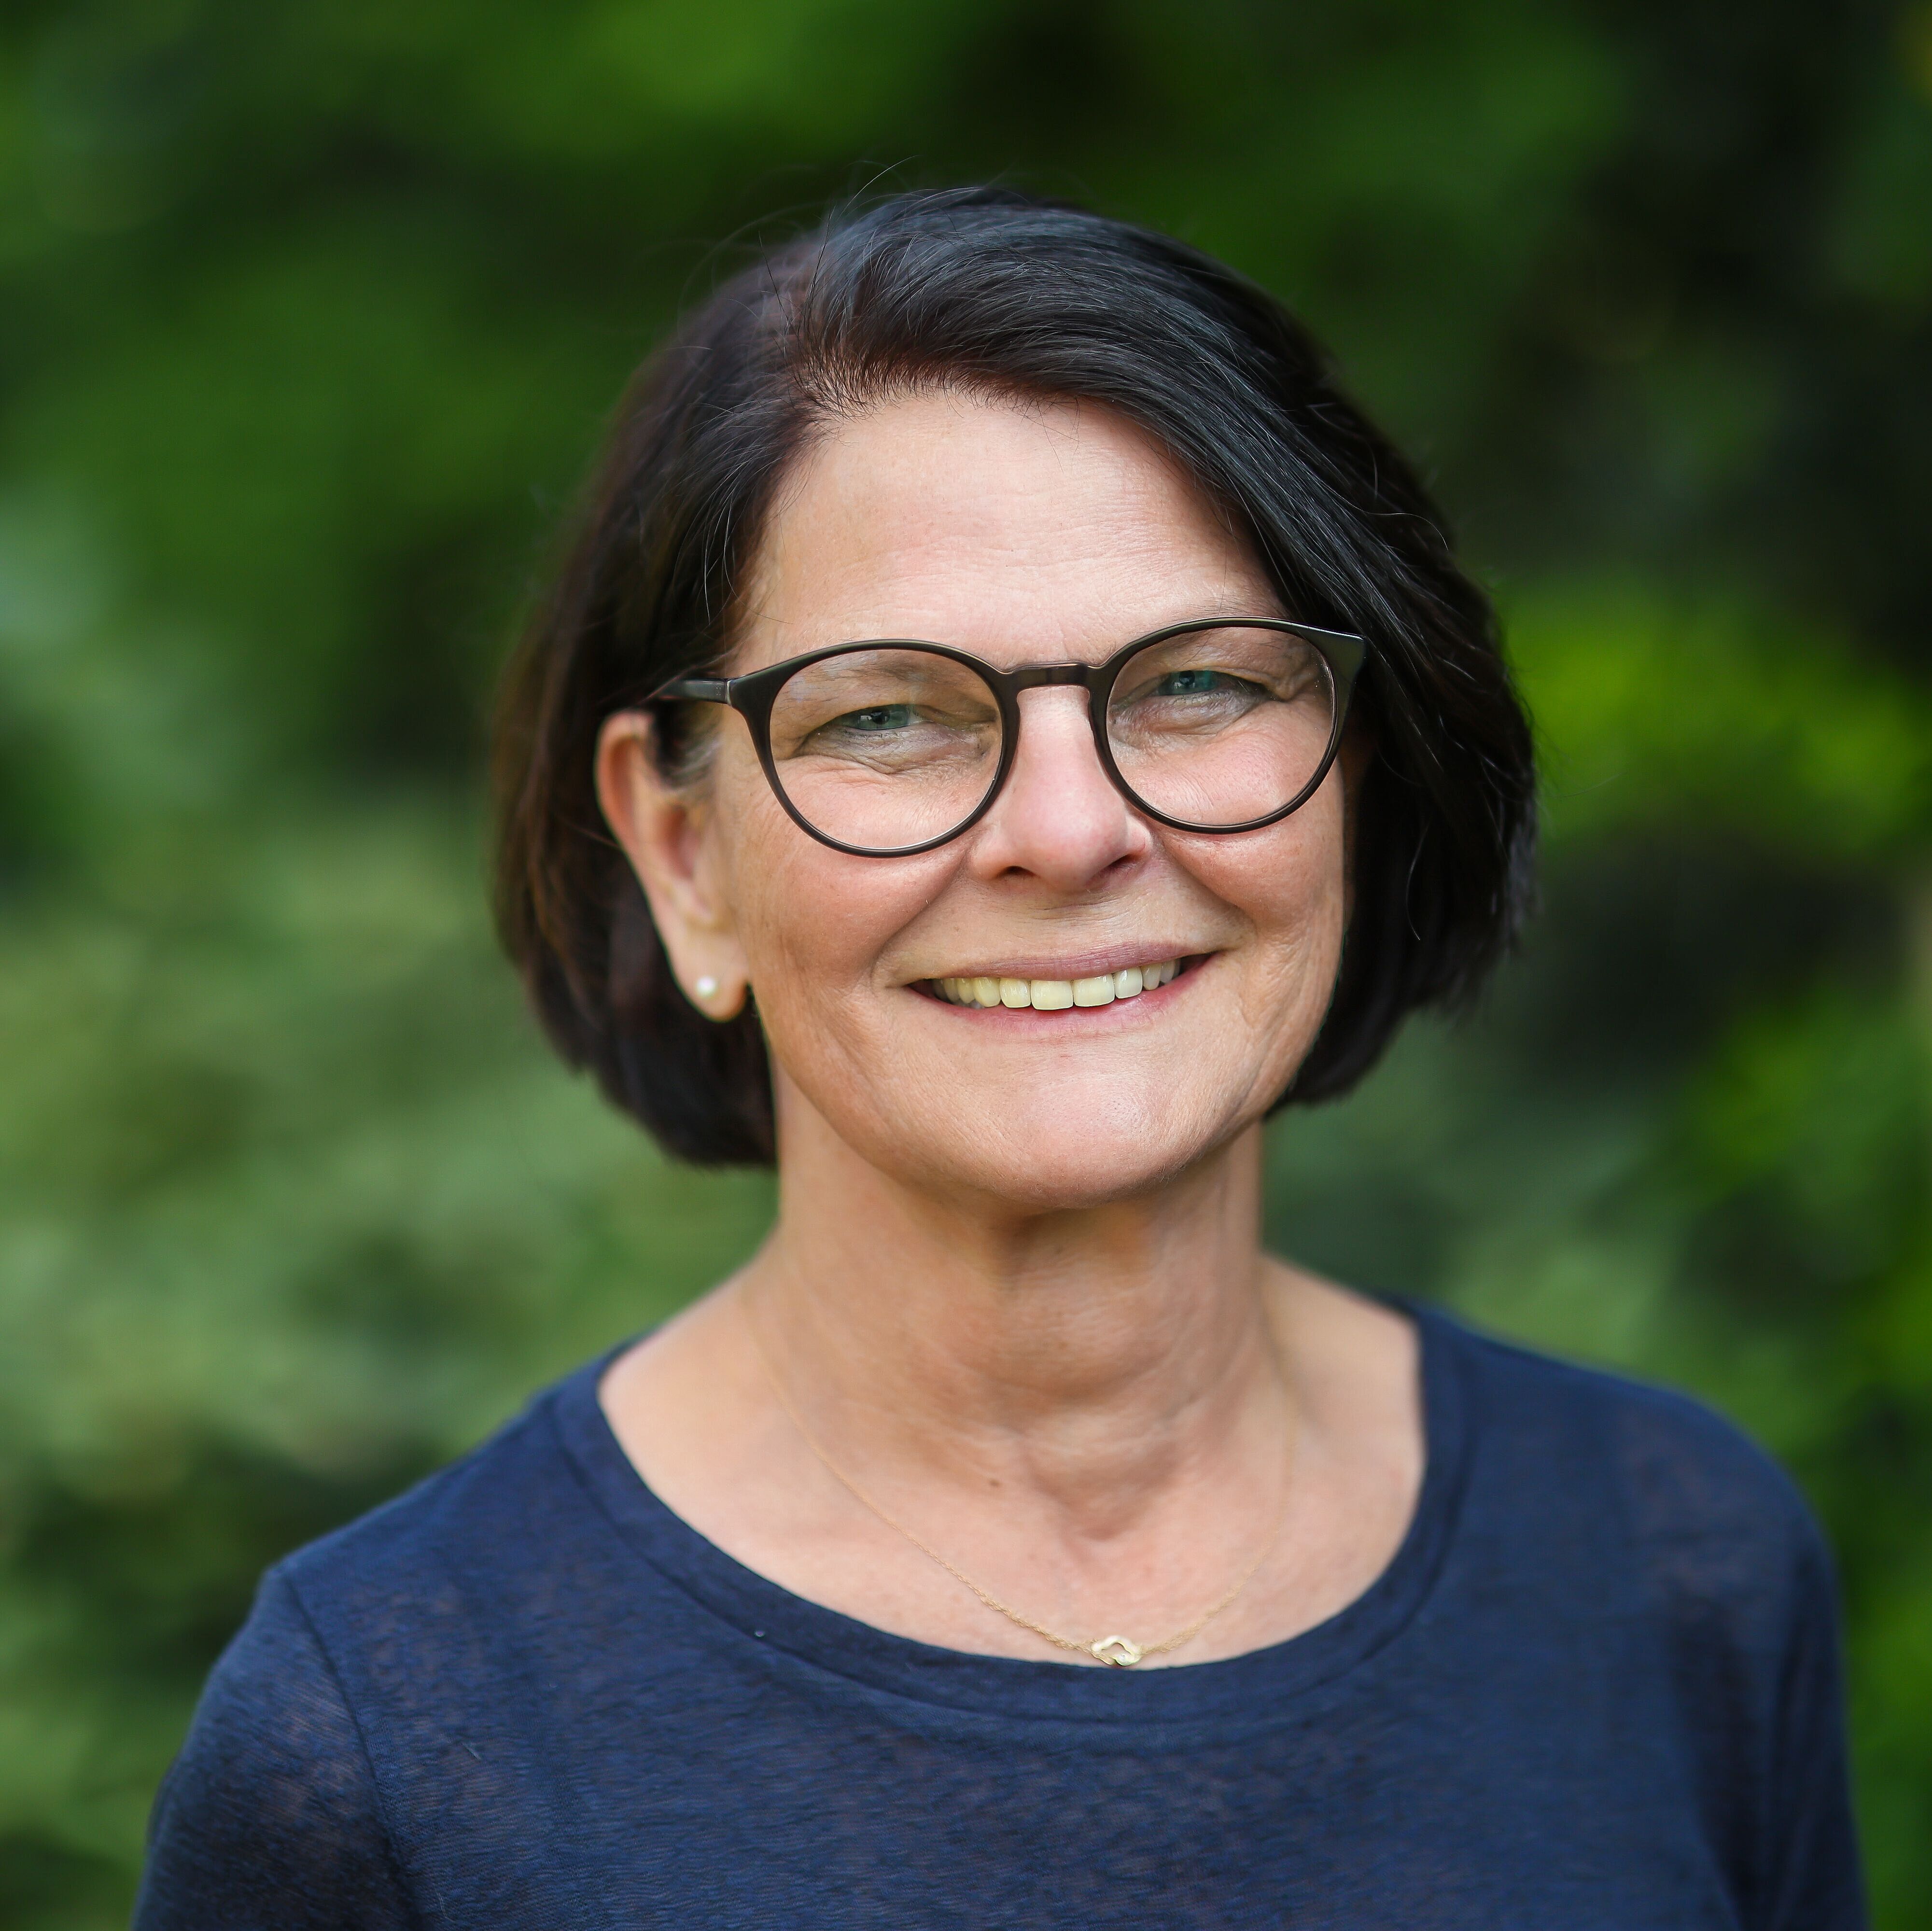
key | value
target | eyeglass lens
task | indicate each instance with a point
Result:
(885, 748)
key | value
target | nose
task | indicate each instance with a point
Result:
(1059, 818)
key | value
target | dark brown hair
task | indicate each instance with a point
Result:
(988, 289)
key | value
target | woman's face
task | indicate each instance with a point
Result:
(1024, 534)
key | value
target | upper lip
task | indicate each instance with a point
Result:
(1084, 965)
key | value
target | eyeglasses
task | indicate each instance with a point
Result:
(893, 746)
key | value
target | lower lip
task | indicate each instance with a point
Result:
(1083, 1018)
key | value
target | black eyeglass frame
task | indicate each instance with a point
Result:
(753, 695)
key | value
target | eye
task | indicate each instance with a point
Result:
(877, 717)
(1197, 683)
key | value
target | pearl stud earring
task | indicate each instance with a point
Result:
(707, 987)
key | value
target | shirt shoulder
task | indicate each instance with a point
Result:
(1646, 1503)
(1709, 1511)
(270, 1815)
(513, 1500)
(364, 1675)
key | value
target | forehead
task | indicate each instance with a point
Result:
(1022, 531)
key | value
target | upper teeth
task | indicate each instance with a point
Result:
(1055, 995)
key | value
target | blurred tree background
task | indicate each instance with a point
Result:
(312, 314)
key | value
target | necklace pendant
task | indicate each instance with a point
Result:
(1116, 1652)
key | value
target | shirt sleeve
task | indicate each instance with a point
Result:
(1739, 1575)
(1814, 1882)
(270, 1817)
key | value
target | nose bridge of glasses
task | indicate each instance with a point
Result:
(1077, 677)
(1081, 677)
(1056, 746)
(1036, 676)
(1058, 792)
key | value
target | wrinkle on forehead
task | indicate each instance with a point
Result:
(1013, 526)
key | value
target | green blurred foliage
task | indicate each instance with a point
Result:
(313, 314)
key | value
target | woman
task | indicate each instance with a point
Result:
(1008, 724)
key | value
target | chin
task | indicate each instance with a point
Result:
(1066, 1155)
(1064, 1185)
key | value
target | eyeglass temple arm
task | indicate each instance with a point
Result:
(701, 690)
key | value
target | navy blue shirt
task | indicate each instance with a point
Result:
(1596, 1687)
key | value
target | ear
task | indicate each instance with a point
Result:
(662, 828)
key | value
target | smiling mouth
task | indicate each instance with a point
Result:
(1055, 995)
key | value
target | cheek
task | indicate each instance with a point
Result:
(1292, 892)
(1288, 883)
(812, 921)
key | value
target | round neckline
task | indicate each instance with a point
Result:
(759, 1612)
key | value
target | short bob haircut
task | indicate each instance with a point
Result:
(989, 291)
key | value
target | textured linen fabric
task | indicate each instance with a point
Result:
(1596, 1687)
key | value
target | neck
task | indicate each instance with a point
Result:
(1090, 1358)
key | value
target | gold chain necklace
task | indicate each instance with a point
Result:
(1118, 1652)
